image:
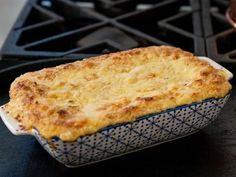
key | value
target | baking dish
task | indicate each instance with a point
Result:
(144, 132)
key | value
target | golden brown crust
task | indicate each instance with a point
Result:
(79, 98)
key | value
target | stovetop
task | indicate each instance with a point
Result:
(78, 28)
(74, 29)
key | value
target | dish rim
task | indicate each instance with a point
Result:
(15, 128)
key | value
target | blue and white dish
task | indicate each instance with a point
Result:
(124, 138)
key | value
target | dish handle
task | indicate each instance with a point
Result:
(12, 124)
(217, 66)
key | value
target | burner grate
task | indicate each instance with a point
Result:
(219, 34)
(65, 28)
(58, 28)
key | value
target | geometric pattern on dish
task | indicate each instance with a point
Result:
(127, 137)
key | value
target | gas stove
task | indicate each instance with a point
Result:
(79, 29)
(52, 32)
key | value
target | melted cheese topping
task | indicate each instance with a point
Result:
(80, 98)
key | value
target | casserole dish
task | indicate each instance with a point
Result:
(123, 138)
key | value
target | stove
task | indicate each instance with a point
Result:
(77, 28)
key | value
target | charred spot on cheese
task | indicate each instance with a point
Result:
(62, 113)
(80, 98)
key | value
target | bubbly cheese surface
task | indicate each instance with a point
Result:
(79, 98)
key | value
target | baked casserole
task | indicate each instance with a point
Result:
(82, 97)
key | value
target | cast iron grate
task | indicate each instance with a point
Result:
(219, 34)
(72, 28)
(79, 28)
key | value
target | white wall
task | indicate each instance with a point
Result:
(9, 10)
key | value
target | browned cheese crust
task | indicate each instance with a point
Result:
(79, 98)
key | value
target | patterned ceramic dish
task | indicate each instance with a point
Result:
(124, 138)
